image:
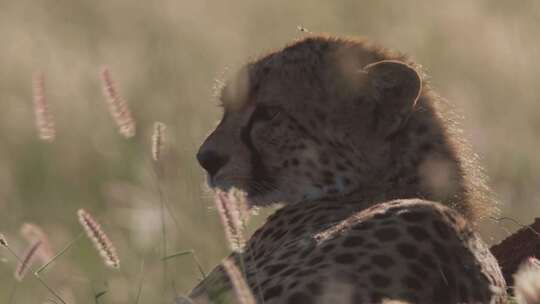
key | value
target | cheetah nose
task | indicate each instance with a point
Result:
(211, 161)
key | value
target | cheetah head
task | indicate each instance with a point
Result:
(318, 119)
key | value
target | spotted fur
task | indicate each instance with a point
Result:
(410, 250)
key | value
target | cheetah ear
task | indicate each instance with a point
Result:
(395, 87)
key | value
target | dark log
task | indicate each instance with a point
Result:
(516, 248)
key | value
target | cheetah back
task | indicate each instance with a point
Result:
(409, 250)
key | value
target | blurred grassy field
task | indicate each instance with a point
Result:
(482, 56)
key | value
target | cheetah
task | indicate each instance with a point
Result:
(379, 195)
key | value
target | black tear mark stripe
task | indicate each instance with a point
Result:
(259, 172)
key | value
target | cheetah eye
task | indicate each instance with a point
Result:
(266, 113)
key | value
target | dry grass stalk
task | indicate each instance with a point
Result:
(527, 282)
(99, 238)
(158, 140)
(243, 293)
(3, 240)
(233, 212)
(27, 260)
(67, 294)
(44, 118)
(118, 107)
(32, 233)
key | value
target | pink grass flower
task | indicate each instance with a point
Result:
(43, 116)
(99, 238)
(118, 107)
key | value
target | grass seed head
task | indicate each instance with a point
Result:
(158, 140)
(118, 107)
(527, 282)
(233, 214)
(101, 241)
(33, 233)
(27, 260)
(242, 290)
(43, 115)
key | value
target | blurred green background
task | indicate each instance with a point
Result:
(165, 56)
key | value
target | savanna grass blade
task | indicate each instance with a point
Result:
(193, 255)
